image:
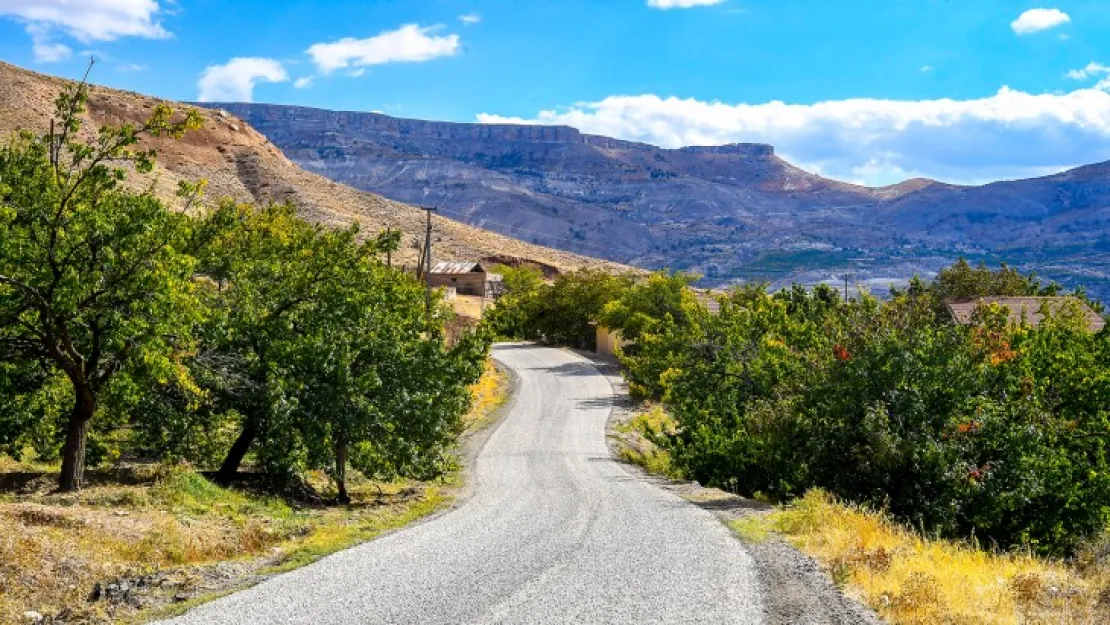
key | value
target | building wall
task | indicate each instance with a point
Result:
(464, 283)
(608, 341)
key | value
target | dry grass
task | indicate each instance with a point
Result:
(162, 531)
(913, 580)
(637, 447)
(470, 306)
(490, 393)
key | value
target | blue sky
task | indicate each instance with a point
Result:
(864, 90)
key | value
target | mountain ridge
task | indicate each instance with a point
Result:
(731, 212)
(242, 164)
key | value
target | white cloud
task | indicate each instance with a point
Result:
(926, 68)
(303, 82)
(1011, 134)
(1091, 71)
(681, 4)
(1036, 20)
(470, 18)
(47, 51)
(84, 20)
(410, 43)
(235, 80)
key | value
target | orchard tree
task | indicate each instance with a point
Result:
(274, 273)
(94, 280)
(377, 387)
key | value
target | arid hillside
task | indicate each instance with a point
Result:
(240, 163)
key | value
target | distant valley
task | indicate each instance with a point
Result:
(731, 213)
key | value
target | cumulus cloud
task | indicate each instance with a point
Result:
(303, 82)
(410, 43)
(84, 20)
(1036, 20)
(681, 4)
(1011, 134)
(470, 18)
(234, 81)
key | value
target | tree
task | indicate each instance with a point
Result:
(961, 280)
(278, 282)
(95, 281)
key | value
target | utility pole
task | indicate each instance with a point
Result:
(428, 263)
(847, 277)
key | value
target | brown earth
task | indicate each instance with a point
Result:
(241, 164)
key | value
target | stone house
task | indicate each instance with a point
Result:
(467, 278)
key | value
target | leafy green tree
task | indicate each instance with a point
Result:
(513, 314)
(961, 280)
(656, 316)
(378, 388)
(270, 272)
(95, 280)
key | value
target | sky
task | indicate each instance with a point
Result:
(868, 91)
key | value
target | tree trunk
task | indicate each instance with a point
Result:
(235, 455)
(341, 468)
(77, 434)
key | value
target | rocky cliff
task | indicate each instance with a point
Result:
(730, 212)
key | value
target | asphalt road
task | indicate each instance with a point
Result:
(556, 532)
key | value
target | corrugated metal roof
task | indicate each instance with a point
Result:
(457, 267)
(1027, 308)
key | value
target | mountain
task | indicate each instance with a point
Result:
(731, 212)
(242, 164)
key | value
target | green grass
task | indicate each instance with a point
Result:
(752, 529)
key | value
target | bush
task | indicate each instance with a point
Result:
(996, 431)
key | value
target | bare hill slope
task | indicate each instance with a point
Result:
(242, 164)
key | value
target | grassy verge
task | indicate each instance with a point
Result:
(146, 541)
(907, 578)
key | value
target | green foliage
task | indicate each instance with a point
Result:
(657, 316)
(558, 313)
(512, 316)
(95, 280)
(201, 336)
(962, 280)
(996, 431)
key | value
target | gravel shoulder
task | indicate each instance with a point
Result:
(795, 590)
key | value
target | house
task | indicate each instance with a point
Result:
(467, 278)
(1024, 309)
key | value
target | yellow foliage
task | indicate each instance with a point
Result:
(489, 392)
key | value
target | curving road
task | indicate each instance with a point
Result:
(555, 532)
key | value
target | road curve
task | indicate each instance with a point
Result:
(555, 532)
